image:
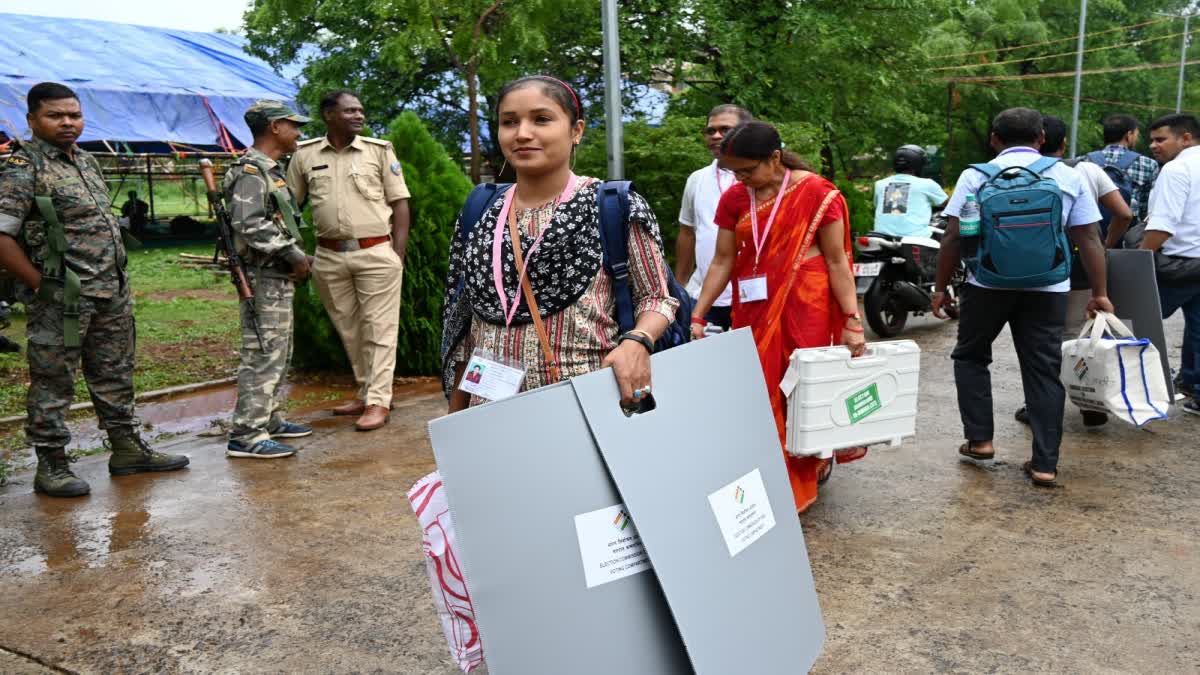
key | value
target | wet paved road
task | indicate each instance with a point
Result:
(922, 564)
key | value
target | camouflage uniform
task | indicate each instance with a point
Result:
(96, 253)
(268, 247)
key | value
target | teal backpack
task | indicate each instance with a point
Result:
(1022, 238)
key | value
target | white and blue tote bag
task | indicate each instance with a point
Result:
(1107, 369)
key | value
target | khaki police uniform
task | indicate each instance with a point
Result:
(356, 271)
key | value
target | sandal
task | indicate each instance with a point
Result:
(825, 471)
(1027, 467)
(966, 451)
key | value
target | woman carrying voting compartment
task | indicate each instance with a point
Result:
(555, 267)
(785, 242)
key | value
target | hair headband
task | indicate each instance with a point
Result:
(578, 108)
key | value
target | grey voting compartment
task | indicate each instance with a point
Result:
(517, 473)
(749, 609)
(1133, 290)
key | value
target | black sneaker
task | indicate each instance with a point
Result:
(1191, 407)
(267, 449)
(290, 430)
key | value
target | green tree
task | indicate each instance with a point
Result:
(1027, 39)
(438, 188)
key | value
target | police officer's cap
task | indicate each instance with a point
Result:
(264, 111)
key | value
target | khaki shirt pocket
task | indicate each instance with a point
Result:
(369, 186)
(320, 185)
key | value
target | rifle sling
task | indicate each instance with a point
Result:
(56, 264)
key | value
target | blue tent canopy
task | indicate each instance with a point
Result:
(137, 84)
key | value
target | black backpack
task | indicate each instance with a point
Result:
(612, 198)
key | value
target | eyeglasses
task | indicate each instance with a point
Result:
(743, 172)
(713, 131)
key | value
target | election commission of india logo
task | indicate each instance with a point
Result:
(621, 521)
(1081, 369)
(739, 495)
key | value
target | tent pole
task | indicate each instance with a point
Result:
(150, 187)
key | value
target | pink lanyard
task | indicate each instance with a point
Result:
(758, 243)
(717, 173)
(509, 307)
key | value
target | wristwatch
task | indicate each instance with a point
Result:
(640, 339)
(855, 315)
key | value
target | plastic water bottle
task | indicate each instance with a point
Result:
(968, 228)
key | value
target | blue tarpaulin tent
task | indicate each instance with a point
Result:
(138, 85)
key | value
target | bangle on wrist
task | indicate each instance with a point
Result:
(639, 331)
(854, 330)
(699, 321)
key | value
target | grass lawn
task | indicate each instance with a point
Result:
(187, 329)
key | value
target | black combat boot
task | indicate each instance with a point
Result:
(132, 454)
(54, 476)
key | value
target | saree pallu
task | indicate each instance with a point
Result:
(800, 310)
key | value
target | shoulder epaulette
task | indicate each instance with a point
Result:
(309, 141)
(376, 141)
(249, 168)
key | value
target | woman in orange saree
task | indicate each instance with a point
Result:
(785, 242)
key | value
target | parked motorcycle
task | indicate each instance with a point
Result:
(895, 276)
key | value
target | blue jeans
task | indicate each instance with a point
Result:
(1188, 299)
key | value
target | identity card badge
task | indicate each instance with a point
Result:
(491, 379)
(753, 289)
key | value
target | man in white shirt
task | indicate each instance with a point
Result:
(1101, 189)
(1173, 228)
(1035, 316)
(697, 241)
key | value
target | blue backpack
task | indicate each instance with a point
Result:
(612, 198)
(1119, 173)
(1022, 238)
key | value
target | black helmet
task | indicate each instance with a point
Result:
(909, 159)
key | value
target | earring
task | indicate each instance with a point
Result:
(574, 157)
(502, 168)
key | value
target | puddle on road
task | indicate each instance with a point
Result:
(201, 411)
(126, 518)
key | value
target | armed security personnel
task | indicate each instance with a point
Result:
(265, 222)
(360, 207)
(59, 238)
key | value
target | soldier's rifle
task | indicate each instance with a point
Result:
(225, 244)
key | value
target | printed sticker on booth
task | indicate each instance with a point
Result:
(610, 545)
(743, 512)
(863, 402)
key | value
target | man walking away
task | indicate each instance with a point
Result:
(1035, 315)
(1100, 189)
(1173, 229)
(78, 301)
(360, 208)
(904, 202)
(265, 221)
(1118, 157)
(697, 241)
